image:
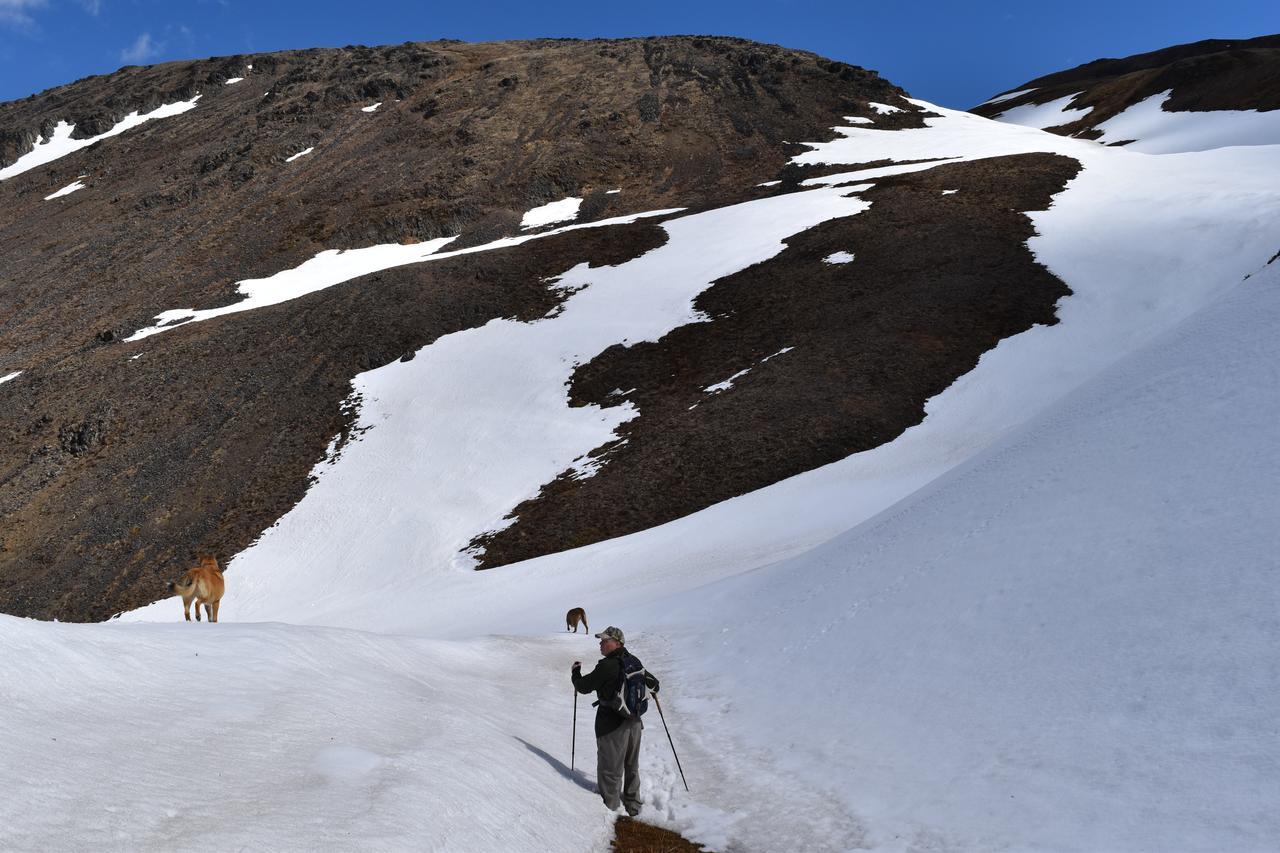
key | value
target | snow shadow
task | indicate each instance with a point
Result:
(559, 766)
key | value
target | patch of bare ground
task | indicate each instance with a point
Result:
(1216, 74)
(826, 358)
(635, 836)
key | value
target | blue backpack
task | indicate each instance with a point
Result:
(633, 687)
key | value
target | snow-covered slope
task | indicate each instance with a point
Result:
(1038, 620)
(1189, 97)
(1067, 643)
(1143, 242)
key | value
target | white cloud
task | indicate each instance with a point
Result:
(142, 49)
(16, 13)
(93, 7)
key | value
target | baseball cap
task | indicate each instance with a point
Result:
(612, 633)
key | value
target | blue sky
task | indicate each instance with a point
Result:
(952, 53)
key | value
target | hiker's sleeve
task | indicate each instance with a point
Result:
(593, 680)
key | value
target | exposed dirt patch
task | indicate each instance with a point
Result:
(936, 281)
(1215, 74)
(635, 836)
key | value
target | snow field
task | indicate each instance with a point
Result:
(1066, 643)
(1049, 114)
(1060, 640)
(1141, 242)
(186, 736)
(1154, 131)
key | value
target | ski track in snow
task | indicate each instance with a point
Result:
(976, 712)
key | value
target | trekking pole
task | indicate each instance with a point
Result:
(573, 749)
(669, 740)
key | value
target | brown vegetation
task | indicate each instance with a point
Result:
(636, 836)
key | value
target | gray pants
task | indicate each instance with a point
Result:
(618, 757)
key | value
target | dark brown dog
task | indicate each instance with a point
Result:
(573, 617)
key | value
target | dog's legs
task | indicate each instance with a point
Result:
(186, 608)
(208, 611)
(214, 618)
(585, 626)
(198, 609)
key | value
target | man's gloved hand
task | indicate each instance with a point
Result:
(577, 665)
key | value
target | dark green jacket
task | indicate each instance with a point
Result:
(605, 680)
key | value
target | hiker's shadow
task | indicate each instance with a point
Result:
(573, 776)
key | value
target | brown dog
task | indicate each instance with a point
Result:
(204, 584)
(573, 617)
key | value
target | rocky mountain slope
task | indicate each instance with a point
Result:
(130, 446)
(1092, 101)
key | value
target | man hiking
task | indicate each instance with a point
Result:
(620, 683)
